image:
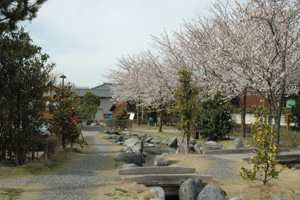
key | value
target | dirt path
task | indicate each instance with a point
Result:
(69, 183)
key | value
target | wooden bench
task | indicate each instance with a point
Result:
(169, 178)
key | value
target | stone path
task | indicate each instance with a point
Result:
(69, 184)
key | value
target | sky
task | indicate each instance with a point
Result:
(85, 38)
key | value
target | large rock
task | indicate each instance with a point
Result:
(212, 192)
(211, 145)
(238, 143)
(235, 198)
(156, 140)
(158, 191)
(183, 148)
(197, 148)
(165, 141)
(135, 144)
(127, 149)
(148, 139)
(131, 157)
(160, 158)
(173, 142)
(297, 166)
(277, 197)
(190, 189)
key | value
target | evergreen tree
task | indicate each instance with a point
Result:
(65, 115)
(89, 106)
(215, 121)
(186, 97)
(24, 77)
(13, 11)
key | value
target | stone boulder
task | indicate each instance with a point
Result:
(173, 142)
(212, 192)
(238, 143)
(190, 189)
(165, 141)
(297, 166)
(156, 140)
(158, 191)
(135, 144)
(131, 157)
(129, 166)
(277, 197)
(148, 139)
(183, 148)
(192, 142)
(211, 145)
(127, 149)
(159, 158)
(197, 148)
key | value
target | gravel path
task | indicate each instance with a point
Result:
(221, 168)
(68, 184)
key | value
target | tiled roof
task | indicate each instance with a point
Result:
(101, 91)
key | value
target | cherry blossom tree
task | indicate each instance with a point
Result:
(127, 81)
(256, 45)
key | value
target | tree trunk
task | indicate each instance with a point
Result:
(243, 113)
(278, 117)
(138, 120)
(160, 119)
(63, 141)
(188, 142)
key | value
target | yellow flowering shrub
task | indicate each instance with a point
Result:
(264, 168)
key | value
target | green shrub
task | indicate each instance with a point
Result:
(215, 118)
(52, 142)
(290, 139)
(116, 124)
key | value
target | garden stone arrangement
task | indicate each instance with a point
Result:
(193, 187)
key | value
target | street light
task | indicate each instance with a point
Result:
(63, 79)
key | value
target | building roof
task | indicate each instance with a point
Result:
(103, 91)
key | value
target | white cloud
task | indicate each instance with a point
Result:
(84, 38)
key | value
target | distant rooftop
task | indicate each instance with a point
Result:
(103, 90)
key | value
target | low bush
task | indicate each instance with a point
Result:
(115, 124)
(52, 142)
(290, 139)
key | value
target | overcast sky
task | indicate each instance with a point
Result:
(84, 38)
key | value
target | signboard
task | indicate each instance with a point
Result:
(131, 117)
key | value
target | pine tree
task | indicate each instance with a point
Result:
(89, 106)
(13, 11)
(24, 78)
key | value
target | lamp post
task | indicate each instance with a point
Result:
(63, 79)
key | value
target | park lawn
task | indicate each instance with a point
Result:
(61, 160)
(148, 127)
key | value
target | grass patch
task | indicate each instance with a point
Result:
(287, 185)
(10, 193)
(147, 127)
(24, 192)
(124, 190)
(61, 160)
(191, 160)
